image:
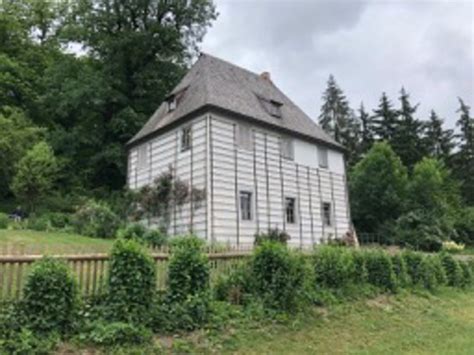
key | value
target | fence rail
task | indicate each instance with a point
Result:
(90, 270)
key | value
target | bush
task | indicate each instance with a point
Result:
(454, 273)
(467, 274)
(464, 226)
(427, 274)
(154, 238)
(440, 273)
(419, 231)
(278, 275)
(273, 235)
(150, 237)
(40, 224)
(333, 267)
(413, 261)
(25, 341)
(132, 231)
(59, 220)
(50, 296)
(452, 247)
(188, 314)
(4, 220)
(235, 286)
(96, 219)
(188, 271)
(400, 269)
(360, 269)
(380, 270)
(116, 333)
(131, 282)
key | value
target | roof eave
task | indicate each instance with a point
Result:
(217, 109)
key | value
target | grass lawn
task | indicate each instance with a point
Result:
(32, 242)
(404, 324)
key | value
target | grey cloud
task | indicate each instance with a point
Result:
(370, 47)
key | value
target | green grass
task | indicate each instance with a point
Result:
(32, 242)
(404, 324)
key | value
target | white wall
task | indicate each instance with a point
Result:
(217, 164)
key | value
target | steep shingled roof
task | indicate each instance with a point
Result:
(217, 83)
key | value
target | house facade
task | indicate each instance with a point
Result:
(261, 161)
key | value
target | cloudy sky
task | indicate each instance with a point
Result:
(427, 46)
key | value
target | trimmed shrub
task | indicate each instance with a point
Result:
(360, 269)
(454, 273)
(440, 273)
(96, 219)
(278, 275)
(400, 269)
(380, 270)
(116, 333)
(50, 296)
(273, 235)
(59, 220)
(427, 274)
(467, 274)
(131, 282)
(4, 220)
(333, 267)
(188, 270)
(413, 261)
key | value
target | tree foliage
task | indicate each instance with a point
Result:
(378, 185)
(36, 174)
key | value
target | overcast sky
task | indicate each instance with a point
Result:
(370, 47)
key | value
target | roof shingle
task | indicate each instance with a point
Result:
(215, 82)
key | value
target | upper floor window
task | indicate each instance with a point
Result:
(186, 138)
(326, 211)
(244, 137)
(143, 159)
(287, 149)
(290, 210)
(323, 157)
(246, 205)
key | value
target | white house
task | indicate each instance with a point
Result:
(261, 160)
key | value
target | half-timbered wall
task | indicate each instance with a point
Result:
(271, 179)
(216, 163)
(164, 152)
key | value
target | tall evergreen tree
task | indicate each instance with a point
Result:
(385, 120)
(406, 141)
(438, 142)
(366, 130)
(464, 159)
(335, 111)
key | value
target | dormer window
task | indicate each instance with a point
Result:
(272, 107)
(172, 103)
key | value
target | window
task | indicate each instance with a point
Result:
(143, 157)
(290, 210)
(323, 157)
(186, 138)
(272, 107)
(244, 137)
(287, 150)
(246, 205)
(172, 103)
(327, 218)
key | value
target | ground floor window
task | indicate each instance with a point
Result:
(246, 205)
(290, 210)
(327, 216)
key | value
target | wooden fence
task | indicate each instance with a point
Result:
(90, 270)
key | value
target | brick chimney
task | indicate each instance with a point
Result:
(266, 76)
